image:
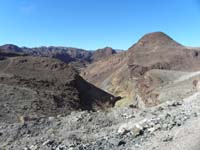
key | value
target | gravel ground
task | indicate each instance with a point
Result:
(173, 125)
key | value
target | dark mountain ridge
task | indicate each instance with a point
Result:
(65, 54)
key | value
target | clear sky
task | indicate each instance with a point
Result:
(92, 24)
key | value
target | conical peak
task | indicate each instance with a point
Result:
(157, 39)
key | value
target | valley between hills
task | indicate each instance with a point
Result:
(64, 98)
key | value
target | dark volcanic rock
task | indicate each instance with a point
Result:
(103, 53)
(36, 86)
(4, 55)
(65, 54)
(10, 48)
(75, 56)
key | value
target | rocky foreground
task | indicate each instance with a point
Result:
(173, 125)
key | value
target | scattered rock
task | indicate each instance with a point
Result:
(61, 147)
(49, 142)
(168, 138)
(121, 143)
(137, 130)
(195, 114)
(51, 118)
(33, 147)
(174, 103)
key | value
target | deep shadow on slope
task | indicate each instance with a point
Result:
(36, 87)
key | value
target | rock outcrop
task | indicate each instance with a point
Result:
(103, 53)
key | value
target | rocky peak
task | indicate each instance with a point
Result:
(102, 53)
(155, 40)
(10, 48)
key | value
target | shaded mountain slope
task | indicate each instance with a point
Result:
(10, 51)
(35, 86)
(111, 74)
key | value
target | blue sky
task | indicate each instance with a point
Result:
(93, 24)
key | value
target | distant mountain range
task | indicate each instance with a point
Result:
(65, 54)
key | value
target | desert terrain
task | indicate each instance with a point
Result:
(62, 98)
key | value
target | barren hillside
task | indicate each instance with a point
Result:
(126, 74)
(36, 87)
